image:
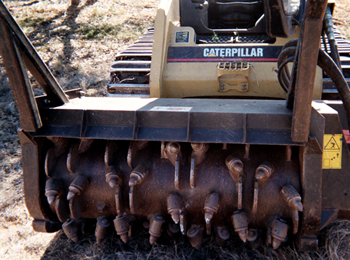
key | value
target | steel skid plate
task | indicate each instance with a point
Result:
(172, 120)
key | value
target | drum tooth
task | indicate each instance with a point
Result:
(240, 223)
(235, 167)
(72, 229)
(262, 175)
(53, 188)
(195, 236)
(102, 227)
(223, 234)
(112, 177)
(278, 229)
(175, 207)
(137, 176)
(293, 199)
(197, 156)
(77, 187)
(211, 207)
(62, 208)
(173, 229)
(121, 225)
(155, 228)
(172, 152)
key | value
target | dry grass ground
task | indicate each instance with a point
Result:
(78, 44)
(342, 18)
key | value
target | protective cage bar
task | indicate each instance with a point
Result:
(19, 56)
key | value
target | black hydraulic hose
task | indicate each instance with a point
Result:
(329, 28)
(334, 51)
(334, 72)
(326, 63)
(324, 41)
(291, 43)
(284, 76)
(281, 68)
(284, 79)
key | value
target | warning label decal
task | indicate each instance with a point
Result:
(332, 151)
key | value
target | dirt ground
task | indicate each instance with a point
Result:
(79, 44)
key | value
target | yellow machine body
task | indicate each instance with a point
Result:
(203, 77)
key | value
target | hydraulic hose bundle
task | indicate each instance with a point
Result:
(325, 62)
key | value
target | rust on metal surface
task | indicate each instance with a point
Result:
(198, 155)
(137, 176)
(311, 28)
(175, 206)
(262, 175)
(172, 151)
(211, 206)
(72, 229)
(46, 226)
(133, 150)
(222, 235)
(121, 224)
(173, 229)
(216, 198)
(102, 228)
(53, 188)
(105, 159)
(253, 235)
(195, 237)
(31, 59)
(76, 208)
(293, 200)
(235, 167)
(155, 228)
(311, 180)
(240, 223)
(62, 208)
(77, 187)
(213, 196)
(278, 229)
(18, 77)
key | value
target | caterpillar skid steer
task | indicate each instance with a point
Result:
(227, 116)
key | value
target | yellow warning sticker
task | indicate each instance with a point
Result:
(332, 149)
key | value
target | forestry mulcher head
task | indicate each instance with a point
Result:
(211, 133)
